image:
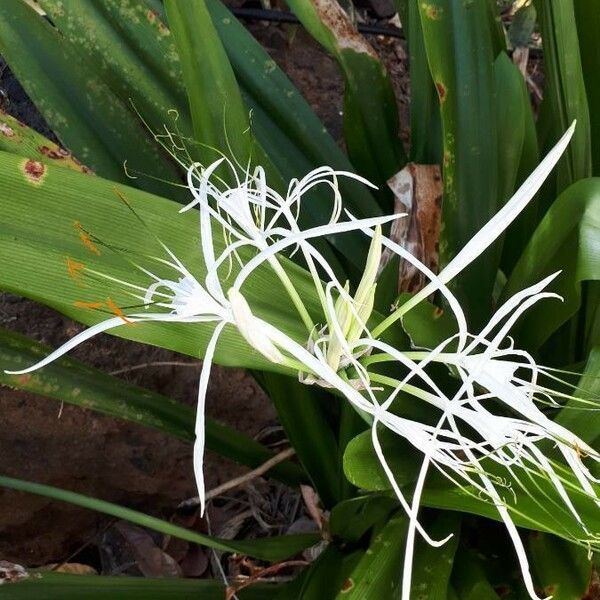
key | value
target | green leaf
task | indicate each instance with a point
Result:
(563, 570)
(535, 507)
(37, 232)
(469, 580)
(220, 119)
(432, 566)
(129, 46)
(323, 579)
(283, 122)
(378, 573)
(352, 518)
(460, 55)
(512, 108)
(575, 416)
(588, 25)
(59, 586)
(567, 239)
(518, 234)
(270, 549)
(73, 382)
(91, 120)
(564, 91)
(427, 325)
(371, 125)
(425, 123)
(362, 466)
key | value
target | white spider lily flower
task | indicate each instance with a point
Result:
(184, 300)
(253, 214)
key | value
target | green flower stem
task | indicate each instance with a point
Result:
(293, 294)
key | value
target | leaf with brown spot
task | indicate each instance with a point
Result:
(17, 138)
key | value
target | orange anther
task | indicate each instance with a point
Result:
(74, 268)
(90, 305)
(85, 238)
(118, 312)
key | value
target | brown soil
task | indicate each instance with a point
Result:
(112, 459)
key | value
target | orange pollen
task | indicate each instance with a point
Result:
(75, 268)
(90, 305)
(118, 312)
(85, 238)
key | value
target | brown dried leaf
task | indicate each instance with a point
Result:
(70, 568)
(11, 572)
(417, 192)
(151, 560)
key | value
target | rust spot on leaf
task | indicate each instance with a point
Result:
(347, 585)
(23, 379)
(56, 153)
(7, 131)
(441, 90)
(152, 16)
(85, 238)
(447, 158)
(431, 12)
(437, 312)
(34, 171)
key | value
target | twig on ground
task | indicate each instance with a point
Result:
(231, 591)
(242, 479)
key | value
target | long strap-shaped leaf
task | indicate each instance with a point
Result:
(60, 586)
(70, 381)
(588, 26)
(130, 47)
(425, 124)
(536, 508)
(460, 54)
(219, 116)
(301, 411)
(371, 125)
(271, 549)
(40, 227)
(576, 416)
(564, 92)
(283, 121)
(378, 575)
(568, 238)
